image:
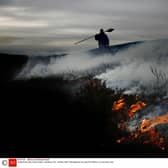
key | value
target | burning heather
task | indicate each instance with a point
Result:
(148, 124)
(121, 105)
(136, 107)
(144, 131)
(133, 107)
(133, 119)
(150, 137)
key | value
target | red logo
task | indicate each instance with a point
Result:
(12, 162)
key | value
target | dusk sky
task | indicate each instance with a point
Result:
(60, 23)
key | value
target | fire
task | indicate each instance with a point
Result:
(147, 124)
(119, 105)
(152, 137)
(147, 130)
(136, 107)
(156, 139)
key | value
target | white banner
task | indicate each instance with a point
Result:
(82, 163)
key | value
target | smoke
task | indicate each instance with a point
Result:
(79, 62)
(135, 65)
(76, 63)
(124, 69)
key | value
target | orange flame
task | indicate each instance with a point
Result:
(155, 138)
(148, 124)
(136, 107)
(152, 137)
(119, 105)
(147, 128)
(146, 132)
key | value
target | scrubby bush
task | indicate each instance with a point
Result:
(157, 88)
(97, 101)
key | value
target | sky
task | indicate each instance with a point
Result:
(57, 24)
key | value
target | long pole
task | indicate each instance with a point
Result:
(108, 30)
(84, 39)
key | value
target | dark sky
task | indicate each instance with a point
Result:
(57, 23)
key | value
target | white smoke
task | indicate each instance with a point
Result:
(76, 63)
(135, 65)
(125, 68)
(79, 62)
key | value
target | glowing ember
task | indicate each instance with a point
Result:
(136, 107)
(147, 130)
(147, 124)
(152, 137)
(155, 138)
(122, 125)
(119, 105)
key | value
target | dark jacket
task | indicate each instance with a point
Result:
(103, 40)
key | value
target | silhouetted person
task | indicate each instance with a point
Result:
(103, 40)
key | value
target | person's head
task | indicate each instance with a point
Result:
(101, 31)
